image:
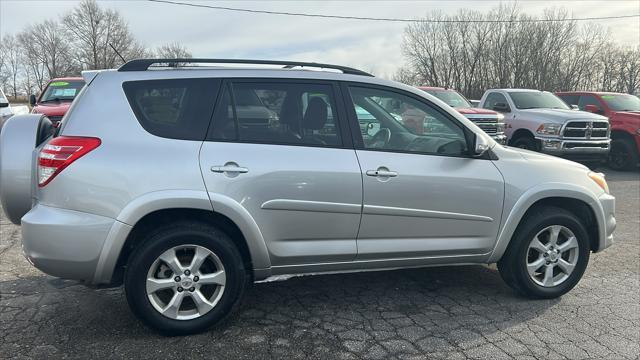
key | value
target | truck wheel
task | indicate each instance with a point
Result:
(547, 255)
(623, 155)
(526, 143)
(184, 278)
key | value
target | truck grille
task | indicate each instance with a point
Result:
(488, 125)
(586, 130)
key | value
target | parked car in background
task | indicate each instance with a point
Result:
(623, 111)
(540, 121)
(154, 181)
(5, 108)
(488, 120)
(55, 99)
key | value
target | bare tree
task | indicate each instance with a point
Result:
(11, 59)
(173, 50)
(94, 30)
(473, 56)
(45, 44)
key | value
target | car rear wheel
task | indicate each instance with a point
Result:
(184, 278)
(547, 255)
(623, 155)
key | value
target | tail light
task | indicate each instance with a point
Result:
(59, 153)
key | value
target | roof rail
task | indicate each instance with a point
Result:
(144, 64)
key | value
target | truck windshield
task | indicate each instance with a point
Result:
(63, 90)
(450, 97)
(622, 102)
(536, 100)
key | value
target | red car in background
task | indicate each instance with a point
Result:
(623, 111)
(488, 120)
(55, 99)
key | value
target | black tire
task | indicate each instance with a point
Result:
(623, 155)
(525, 142)
(167, 237)
(513, 265)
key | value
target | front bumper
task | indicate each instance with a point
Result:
(500, 139)
(579, 150)
(64, 243)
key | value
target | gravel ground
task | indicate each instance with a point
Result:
(449, 313)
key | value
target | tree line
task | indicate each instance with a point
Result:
(473, 56)
(87, 37)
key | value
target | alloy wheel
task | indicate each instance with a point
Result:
(185, 282)
(552, 256)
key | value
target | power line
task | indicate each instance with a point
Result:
(344, 17)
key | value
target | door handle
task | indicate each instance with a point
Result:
(382, 172)
(229, 168)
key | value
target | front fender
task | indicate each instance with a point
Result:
(537, 193)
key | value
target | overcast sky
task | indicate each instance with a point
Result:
(372, 46)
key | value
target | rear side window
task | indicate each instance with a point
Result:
(569, 99)
(175, 108)
(277, 113)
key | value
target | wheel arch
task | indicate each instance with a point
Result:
(161, 208)
(570, 197)
(522, 132)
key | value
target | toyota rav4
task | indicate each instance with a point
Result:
(156, 180)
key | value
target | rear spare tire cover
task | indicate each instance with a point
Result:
(19, 137)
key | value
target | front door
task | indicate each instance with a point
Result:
(423, 195)
(277, 149)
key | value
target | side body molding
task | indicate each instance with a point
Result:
(539, 192)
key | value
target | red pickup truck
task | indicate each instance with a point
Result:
(488, 120)
(55, 99)
(623, 111)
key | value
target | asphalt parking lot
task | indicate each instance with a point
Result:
(449, 313)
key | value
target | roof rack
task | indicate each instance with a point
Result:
(144, 64)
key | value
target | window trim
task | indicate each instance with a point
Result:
(355, 127)
(340, 120)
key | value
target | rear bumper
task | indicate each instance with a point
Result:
(64, 243)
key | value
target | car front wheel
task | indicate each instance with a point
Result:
(184, 278)
(547, 255)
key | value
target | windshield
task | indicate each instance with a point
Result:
(536, 100)
(62, 90)
(622, 102)
(450, 97)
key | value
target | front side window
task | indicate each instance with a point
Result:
(622, 102)
(176, 108)
(569, 99)
(588, 100)
(493, 99)
(450, 97)
(63, 90)
(396, 122)
(536, 100)
(277, 113)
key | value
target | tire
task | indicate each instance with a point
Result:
(525, 142)
(540, 223)
(623, 155)
(184, 239)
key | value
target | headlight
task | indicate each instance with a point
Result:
(500, 117)
(598, 178)
(549, 129)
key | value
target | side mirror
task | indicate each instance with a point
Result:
(501, 107)
(574, 107)
(593, 109)
(4, 104)
(480, 146)
(32, 100)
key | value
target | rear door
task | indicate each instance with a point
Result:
(423, 195)
(282, 150)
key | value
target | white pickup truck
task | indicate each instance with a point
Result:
(540, 121)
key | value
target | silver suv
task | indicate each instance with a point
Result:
(156, 179)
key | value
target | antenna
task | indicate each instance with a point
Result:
(114, 49)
